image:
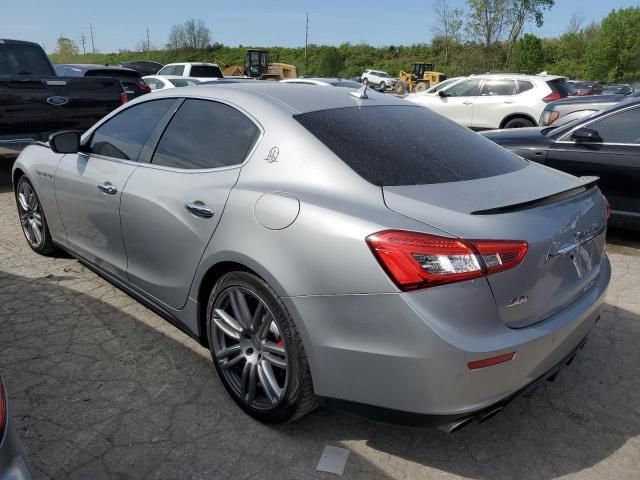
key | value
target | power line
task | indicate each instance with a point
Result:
(93, 45)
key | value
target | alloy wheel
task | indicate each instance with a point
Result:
(249, 348)
(30, 215)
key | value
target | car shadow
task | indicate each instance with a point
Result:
(100, 386)
(5, 174)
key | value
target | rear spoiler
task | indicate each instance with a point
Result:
(586, 184)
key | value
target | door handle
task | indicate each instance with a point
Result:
(108, 188)
(467, 103)
(199, 209)
(509, 101)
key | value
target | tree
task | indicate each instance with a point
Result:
(448, 26)
(66, 47)
(486, 23)
(528, 55)
(615, 53)
(329, 62)
(575, 23)
(519, 12)
(192, 34)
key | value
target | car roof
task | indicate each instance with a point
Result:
(192, 63)
(294, 98)
(516, 76)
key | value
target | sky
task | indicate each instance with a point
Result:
(122, 24)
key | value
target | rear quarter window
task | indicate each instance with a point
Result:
(407, 145)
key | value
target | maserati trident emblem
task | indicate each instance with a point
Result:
(518, 301)
(57, 100)
(273, 155)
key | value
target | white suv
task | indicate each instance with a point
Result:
(198, 70)
(378, 78)
(495, 100)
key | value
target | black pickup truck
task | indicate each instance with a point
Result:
(34, 102)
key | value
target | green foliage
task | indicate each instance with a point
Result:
(608, 52)
(528, 55)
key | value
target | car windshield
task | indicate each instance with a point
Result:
(345, 83)
(441, 85)
(184, 82)
(206, 71)
(407, 145)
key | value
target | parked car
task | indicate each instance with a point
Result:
(131, 80)
(569, 109)
(198, 70)
(35, 102)
(605, 145)
(325, 82)
(160, 82)
(495, 100)
(229, 81)
(329, 242)
(379, 79)
(621, 89)
(577, 88)
(143, 67)
(13, 459)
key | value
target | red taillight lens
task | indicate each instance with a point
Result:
(553, 96)
(123, 98)
(144, 87)
(607, 208)
(417, 260)
(3, 409)
(490, 362)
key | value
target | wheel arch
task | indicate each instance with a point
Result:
(15, 176)
(513, 116)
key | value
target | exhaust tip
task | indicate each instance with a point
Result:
(455, 425)
(490, 414)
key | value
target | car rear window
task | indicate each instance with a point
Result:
(24, 60)
(111, 72)
(559, 85)
(407, 145)
(206, 71)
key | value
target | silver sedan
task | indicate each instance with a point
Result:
(330, 244)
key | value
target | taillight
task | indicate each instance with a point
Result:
(418, 260)
(3, 409)
(607, 208)
(143, 86)
(123, 98)
(552, 97)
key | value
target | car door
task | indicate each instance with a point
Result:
(457, 101)
(89, 184)
(614, 156)
(172, 205)
(495, 102)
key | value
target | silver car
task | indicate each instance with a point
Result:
(330, 244)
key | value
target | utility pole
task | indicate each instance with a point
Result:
(148, 44)
(83, 41)
(93, 45)
(306, 42)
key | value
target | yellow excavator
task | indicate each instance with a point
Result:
(419, 79)
(257, 66)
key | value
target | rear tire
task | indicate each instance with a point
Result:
(422, 87)
(257, 350)
(32, 219)
(519, 122)
(382, 87)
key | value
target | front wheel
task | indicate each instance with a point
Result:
(32, 220)
(382, 87)
(519, 123)
(257, 350)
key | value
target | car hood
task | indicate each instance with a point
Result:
(529, 137)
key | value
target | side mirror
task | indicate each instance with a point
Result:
(442, 93)
(586, 135)
(65, 142)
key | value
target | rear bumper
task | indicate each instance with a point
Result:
(13, 462)
(409, 352)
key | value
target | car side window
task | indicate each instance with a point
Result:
(621, 127)
(498, 87)
(124, 135)
(468, 88)
(168, 70)
(178, 70)
(154, 83)
(524, 85)
(204, 134)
